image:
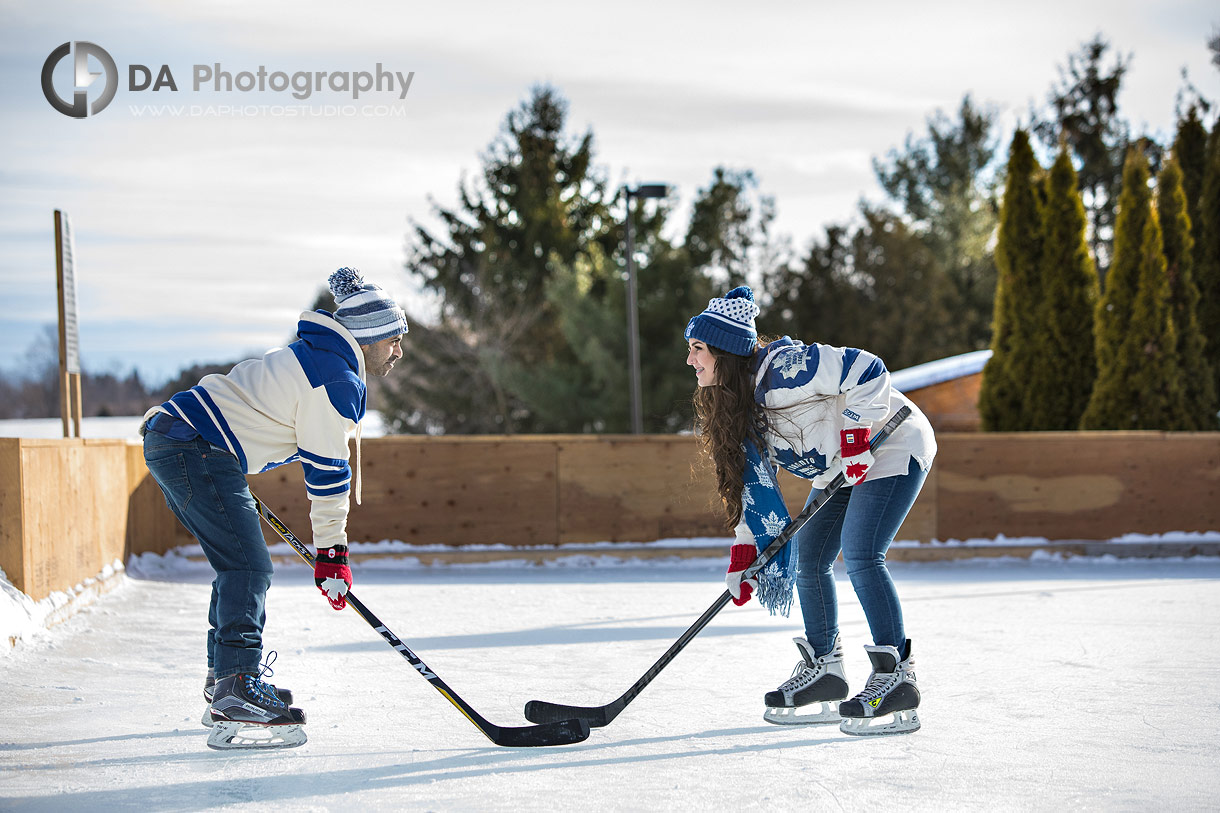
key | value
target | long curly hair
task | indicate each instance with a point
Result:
(726, 415)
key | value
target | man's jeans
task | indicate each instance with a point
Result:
(861, 522)
(206, 489)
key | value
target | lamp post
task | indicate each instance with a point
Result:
(654, 190)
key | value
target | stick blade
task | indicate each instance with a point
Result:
(552, 732)
(540, 711)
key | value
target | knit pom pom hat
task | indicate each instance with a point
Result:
(728, 323)
(365, 309)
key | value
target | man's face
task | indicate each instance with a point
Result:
(379, 357)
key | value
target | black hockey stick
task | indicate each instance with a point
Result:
(540, 711)
(552, 732)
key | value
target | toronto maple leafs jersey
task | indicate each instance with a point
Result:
(812, 392)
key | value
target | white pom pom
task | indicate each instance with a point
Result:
(345, 282)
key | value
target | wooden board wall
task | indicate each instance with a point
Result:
(70, 507)
(73, 511)
(1077, 485)
(12, 523)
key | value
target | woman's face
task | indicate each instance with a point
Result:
(700, 357)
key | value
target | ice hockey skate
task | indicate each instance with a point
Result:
(814, 680)
(248, 713)
(209, 685)
(889, 699)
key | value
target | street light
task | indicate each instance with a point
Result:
(652, 190)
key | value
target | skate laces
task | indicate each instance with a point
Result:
(265, 691)
(880, 683)
(802, 674)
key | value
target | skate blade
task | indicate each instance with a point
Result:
(827, 712)
(902, 722)
(207, 720)
(230, 735)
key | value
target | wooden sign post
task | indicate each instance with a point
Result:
(69, 342)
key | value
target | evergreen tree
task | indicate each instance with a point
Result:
(1063, 362)
(1084, 115)
(539, 204)
(1141, 388)
(729, 235)
(1113, 318)
(1207, 271)
(1004, 398)
(1190, 152)
(1199, 389)
(944, 184)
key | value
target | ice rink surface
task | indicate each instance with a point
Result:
(1047, 685)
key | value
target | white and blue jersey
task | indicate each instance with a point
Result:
(811, 393)
(296, 403)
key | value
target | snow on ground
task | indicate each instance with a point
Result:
(1048, 684)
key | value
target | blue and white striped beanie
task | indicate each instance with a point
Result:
(364, 309)
(728, 323)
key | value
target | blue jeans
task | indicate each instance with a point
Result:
(206, 489)
(861, 522)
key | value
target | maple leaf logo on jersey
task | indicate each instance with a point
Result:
(792, 362)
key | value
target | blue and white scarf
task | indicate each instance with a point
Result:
(766, 515)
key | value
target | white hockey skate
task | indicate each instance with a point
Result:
(249, 714)
(888, 701)
(814, 681)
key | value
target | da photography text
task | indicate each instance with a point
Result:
(212, 78)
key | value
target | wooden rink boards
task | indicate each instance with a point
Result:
(70, 507)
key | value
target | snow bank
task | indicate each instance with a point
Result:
(22, 618)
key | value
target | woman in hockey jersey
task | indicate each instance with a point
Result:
(299, 402)
(811, 409)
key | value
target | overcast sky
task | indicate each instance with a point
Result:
(202, 233)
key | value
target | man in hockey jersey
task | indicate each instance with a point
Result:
(811, 410)
(297, 403)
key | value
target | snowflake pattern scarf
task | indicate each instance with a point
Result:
(763, 509)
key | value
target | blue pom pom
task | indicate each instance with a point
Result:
(740, 292)
(345, 282)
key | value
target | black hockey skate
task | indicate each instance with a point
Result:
(248, 713)
(814, 680)
(889, 699)
(209, 685)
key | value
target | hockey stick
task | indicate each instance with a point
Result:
(552, 732)
(540, 711)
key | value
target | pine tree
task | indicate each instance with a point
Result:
(944, 185)
(1207, 271)
(1199, 389)
(1064, 365)
(539, 202)
(1084, 106)
(1004, 397)
(1114, 309)
(1190, 151)
(1142, 387)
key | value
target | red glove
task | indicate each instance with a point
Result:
(741, 556)
(332, 575)
(855, 453)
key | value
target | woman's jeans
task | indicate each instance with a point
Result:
(861, 522)
(206, 489)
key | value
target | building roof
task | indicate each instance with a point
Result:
(936, 372)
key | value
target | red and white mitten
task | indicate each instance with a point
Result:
(332, 575)
(741, 556)
(855, 453)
